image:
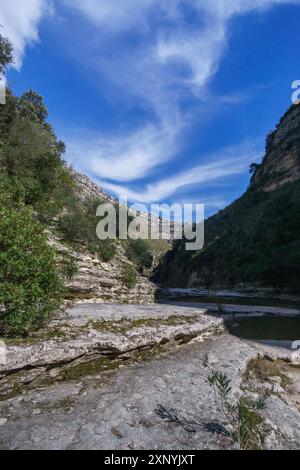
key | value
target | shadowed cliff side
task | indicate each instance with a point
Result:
(255, 241)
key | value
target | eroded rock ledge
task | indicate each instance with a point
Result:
(101, 282)
(117, 409)
(98, 379)
(97, 335)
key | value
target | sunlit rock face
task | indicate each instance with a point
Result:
(281, 164)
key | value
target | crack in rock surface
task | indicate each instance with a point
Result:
(117, 408)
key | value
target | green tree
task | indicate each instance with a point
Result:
(254, 167)
(32, 106)
(129, 276)
(6, 56)
(78, 225)
(30, 153)
(30, 286)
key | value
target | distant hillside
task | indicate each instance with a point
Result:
(256, 240)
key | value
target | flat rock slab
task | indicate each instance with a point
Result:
(107, 330)
(83, 388)
(125, 409)
(116, 312)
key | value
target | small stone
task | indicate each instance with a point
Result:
(54, 373)
(115, 432)
(3, 421)
(275, 379)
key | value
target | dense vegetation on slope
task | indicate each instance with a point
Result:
(256, 240)
(38, 192)
(30, 284)
(32, 177)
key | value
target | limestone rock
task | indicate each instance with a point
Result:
(98, 281)
(281, 164)
(119, 410)
(107, 330)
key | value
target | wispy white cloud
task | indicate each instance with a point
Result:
(169, 62)
(225, 163)
(125, 158)
(19, 22)
(120, 15)
(200, 48)
(171, 59)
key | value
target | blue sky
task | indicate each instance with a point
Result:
(160, 100)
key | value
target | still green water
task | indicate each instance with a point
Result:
(266, 328)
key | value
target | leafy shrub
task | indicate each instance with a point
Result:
(79, 226)
(30, 286)
(30, 153)
(243, 416)
(105, 249)
(6, 53)
(129, 276)
(68, 266)
(140, 253)
(73, 227)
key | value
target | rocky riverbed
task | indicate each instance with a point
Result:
(135, 377)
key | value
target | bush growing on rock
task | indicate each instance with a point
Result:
(243, 416)
(30, 285)
(68, 266)
(78, 225)
(140, 253)
(129, 276)
(105, 249)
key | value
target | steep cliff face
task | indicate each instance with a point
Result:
(86, 188)
(255, 242)
(281, 164)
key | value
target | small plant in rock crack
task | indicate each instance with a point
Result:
(243, 416)
(214, 297)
